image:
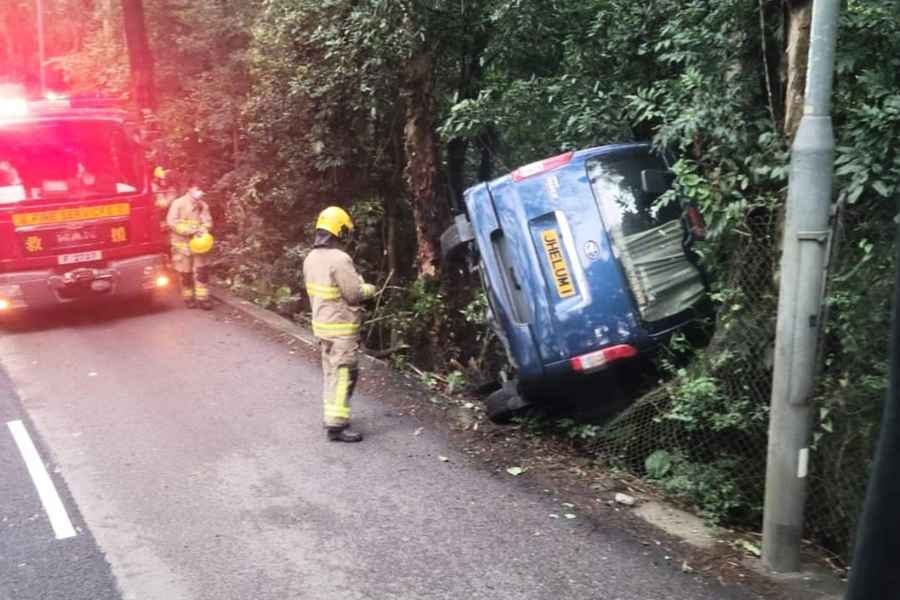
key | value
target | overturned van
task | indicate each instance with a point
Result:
(582, 263)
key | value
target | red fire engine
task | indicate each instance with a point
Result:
(77, 217)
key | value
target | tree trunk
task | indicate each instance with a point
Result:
(798, 20)
(106, 12)
(456, 163)
(139, 56)
(20, 54)
(488, 142)
(420, 144)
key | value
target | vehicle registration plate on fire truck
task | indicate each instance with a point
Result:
(80, 257)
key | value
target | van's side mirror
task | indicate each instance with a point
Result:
(656, 181)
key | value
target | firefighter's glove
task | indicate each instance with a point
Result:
(368, 291)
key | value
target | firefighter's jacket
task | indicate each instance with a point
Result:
(187, 216)
(335, 292)
(163, 198)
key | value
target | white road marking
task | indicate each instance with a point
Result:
(59, 518)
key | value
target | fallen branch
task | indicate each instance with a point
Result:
(378, 296)
(387, 351)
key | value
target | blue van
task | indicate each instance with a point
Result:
(582, 264)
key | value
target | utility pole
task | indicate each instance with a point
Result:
(41, 53)
(803, 260)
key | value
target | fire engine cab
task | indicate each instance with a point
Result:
(77, 217)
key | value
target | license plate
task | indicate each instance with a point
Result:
(558, 265)
(80, 257)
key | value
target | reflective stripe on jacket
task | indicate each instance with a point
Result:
(185, 217)
(335, 292)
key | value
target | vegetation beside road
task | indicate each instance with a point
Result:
(395, 107)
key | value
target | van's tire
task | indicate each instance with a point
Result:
(505, 404)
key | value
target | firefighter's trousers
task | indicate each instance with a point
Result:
(339, 374)
(194, 272)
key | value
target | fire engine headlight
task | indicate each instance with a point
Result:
(10, 296)
(162, 281)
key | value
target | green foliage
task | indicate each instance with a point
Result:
(714, 486)
(578, 431)
(658, 464)
(700, 403)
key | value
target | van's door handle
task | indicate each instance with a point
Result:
(515, 281)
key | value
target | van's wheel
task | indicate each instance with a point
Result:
(505, 404)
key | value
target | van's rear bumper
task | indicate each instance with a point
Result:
(46, 288)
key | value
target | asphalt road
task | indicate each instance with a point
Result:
(192, 446)
(34, 564)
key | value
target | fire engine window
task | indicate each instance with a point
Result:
(67, 159)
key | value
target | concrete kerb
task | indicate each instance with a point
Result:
(812, 584)
(275, 321)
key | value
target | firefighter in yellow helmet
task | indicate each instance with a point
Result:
(162, 185)
(336, 292)
(189, 221)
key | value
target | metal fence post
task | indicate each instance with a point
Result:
(800, 300)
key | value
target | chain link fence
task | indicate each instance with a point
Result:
(701, 437)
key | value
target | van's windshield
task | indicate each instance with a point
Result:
(66, 159)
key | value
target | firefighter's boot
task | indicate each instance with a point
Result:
(201, 285)
(343, 434)
(187, 290)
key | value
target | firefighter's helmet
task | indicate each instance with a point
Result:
(335, 221)
(201, 244)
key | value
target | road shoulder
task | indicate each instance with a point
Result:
(683, 539)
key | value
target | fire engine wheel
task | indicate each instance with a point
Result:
(505, 404)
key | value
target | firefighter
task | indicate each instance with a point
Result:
(336, 292)
(163, 188)
(189, 221)
(164, 193)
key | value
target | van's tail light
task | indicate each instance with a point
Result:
(542, 166)
(696, 224)
(594, 361)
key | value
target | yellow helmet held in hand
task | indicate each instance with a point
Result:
(201, 244)
(334, 220)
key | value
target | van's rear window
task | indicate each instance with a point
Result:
(66, 160)
(625, 207)
(647, 237)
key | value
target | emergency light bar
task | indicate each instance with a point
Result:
(19, 106)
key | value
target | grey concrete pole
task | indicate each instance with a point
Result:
(800, 301)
